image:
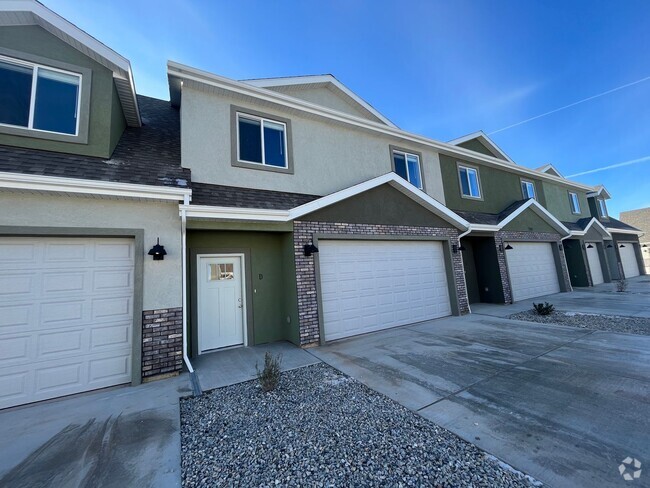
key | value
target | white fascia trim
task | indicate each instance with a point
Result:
(625, 231)
(595, 222)
(191, 74)
(482, 136)
(234, 213)
(484, 228)
(547, 167)
(395, 181)
(539, 210)
(91, 187)
(600, 191)
(302, 80)
(68, 28)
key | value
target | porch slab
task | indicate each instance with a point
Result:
(230, 366)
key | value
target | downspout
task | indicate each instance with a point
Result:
(186, 358)
(462, 265)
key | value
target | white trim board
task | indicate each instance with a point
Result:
(17, 181)
(178, 72)
(31, 12)
(327, 78)
(549, 167)
(593, 222)
(600, 191)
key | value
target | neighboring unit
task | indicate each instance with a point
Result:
(640, 219)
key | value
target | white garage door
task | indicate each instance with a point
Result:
(66, 316)
(372, 285)
(532, 270)
(628, 260)
(594, 264)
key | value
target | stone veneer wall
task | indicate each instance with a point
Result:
(501, 237)
(162, 341)
(306, 274)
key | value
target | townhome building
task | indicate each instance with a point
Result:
(139, 233)
(640, 219)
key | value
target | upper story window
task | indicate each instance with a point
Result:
(602, 208)
(528, 189)
(261, 141)
(39, 98)
(470, 186)
(407, 165)
(575, 202)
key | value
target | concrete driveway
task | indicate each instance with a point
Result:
(562, 404)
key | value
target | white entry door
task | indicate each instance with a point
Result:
(66, 316)
(594, 264)
(220, 302)
(532, 270)
(628, 260)
(372, 285)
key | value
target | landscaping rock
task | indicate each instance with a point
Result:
(322, 428)
(612, 323)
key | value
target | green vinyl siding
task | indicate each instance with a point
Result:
(499, 188)
(271, 272)
(106, 121)
(559, 204)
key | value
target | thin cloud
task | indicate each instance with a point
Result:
(571, 105)
(611, 166)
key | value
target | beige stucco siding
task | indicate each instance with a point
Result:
(326, 157)
(162, 279)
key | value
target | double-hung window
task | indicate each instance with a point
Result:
(407, 165)
(469, 182)
(602, 208)
(575, 202)
(261, 141)
(528, 189)
(38, 97)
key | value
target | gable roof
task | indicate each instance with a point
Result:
(486, 141)
(600, 191)
(316, 81)
(276, 213)
(536, 207)
(146, 155)
(582, 226)
(549, 169)
(31, 12)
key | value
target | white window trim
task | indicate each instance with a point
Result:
(469, 186)
(408, 173)
(32, 103)
(575, 203)
(261, 121)
(602, 208)
(532, 184)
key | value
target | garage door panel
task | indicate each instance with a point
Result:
(628, 261)
(70, 328)
(532, 270)
(594, 265)
(370, 285)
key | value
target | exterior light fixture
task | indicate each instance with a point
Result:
(310, 249)
(455, 248)
(589, 246)
(622, 245)
(609, 246)
(508, 247)
(645, 245)
(559, 246)
(158, 252)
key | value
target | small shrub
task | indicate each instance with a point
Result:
(621, 285)
(269, 376)
(543, 308)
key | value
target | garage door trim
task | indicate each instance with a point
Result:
(138, 245)
(447, 252)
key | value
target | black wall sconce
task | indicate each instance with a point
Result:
(158, 252)
(645, 245)
(609, 246)
(508, 247)
(455, 248)
(559, 246)
(589, 246)
(621, 245)
(310, 249)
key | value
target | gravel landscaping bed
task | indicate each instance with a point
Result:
(613, 323)
(323, 428)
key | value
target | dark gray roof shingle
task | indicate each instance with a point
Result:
(613, 223)
(147, 155)
(230, 196)
(488, 218)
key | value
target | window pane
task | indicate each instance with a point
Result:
(603, 209)
(414, 171)
(218, 272)
(55, 108)
(15, 94)
(400, 165)
(464, 182)
(528, 189)
(473, 182)
(274, 151)
(250, 140)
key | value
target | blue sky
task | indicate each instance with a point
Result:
(438, 68)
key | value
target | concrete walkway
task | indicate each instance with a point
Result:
(562, 404)
(120, 437)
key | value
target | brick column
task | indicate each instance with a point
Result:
(162, 342)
